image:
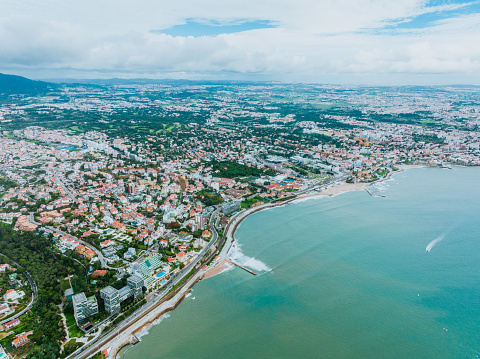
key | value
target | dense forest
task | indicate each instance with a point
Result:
(36, 255)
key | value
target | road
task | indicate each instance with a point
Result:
(67, 191)
(30, 305)
(101, 341)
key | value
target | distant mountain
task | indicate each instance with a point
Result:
(11, 85)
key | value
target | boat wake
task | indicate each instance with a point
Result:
(237, 255)
(434, 242)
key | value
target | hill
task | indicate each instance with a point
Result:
(11, 85)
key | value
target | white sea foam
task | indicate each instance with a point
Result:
(146, 330)
(304, 199)
(434, 242)
(380, 186)
(237, 255)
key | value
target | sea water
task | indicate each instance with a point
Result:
(350, 276)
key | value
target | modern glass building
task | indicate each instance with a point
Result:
(113, 297)
(84, 307)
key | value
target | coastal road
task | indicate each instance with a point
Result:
(102, 341)
(157, 300)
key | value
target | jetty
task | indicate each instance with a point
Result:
(240, 266)
(375, 195)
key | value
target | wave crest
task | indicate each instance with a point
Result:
(238, 256)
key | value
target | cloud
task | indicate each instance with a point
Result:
(312, 39)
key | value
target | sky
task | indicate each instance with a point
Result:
(385, 42)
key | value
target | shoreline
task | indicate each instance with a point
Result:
(332, 190)
(130, 338)
(223, 264)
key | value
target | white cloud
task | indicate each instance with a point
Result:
(314, 38)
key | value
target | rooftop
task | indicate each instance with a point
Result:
(109, 290)
(78, 298)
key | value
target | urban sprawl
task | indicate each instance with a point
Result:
(128, 188)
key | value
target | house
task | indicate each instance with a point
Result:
(199, 243)
(130, 253)
(11, 324)
(20, 341)
(99, 273)
(181, 257)
(107, 243)
(12, 294)
(148, 241)
(87, 252)
(120, 226)
(4, 308)
(4, 267)
(68, 293)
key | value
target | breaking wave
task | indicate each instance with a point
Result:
(304, 199)
(237, 255)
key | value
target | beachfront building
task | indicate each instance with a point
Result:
(84, 307)
(113, 297)
(152, 271)
(230, 207)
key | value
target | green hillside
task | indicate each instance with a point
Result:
(11, 84)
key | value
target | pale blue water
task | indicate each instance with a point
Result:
(350, 278)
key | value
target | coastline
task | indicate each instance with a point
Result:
(331, 190)
(396, 190)
(222, 263)
(130, 337)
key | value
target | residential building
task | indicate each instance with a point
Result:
(113, 297)
(11, 324)
(20, 341)
(4, 308)
(84, 307)
(230, 207)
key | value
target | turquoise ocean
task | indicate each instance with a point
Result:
(347, 276)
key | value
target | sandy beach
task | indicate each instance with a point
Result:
(220, 267)
(346, 187)
(223, 263)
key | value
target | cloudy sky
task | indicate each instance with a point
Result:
(329, 41)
